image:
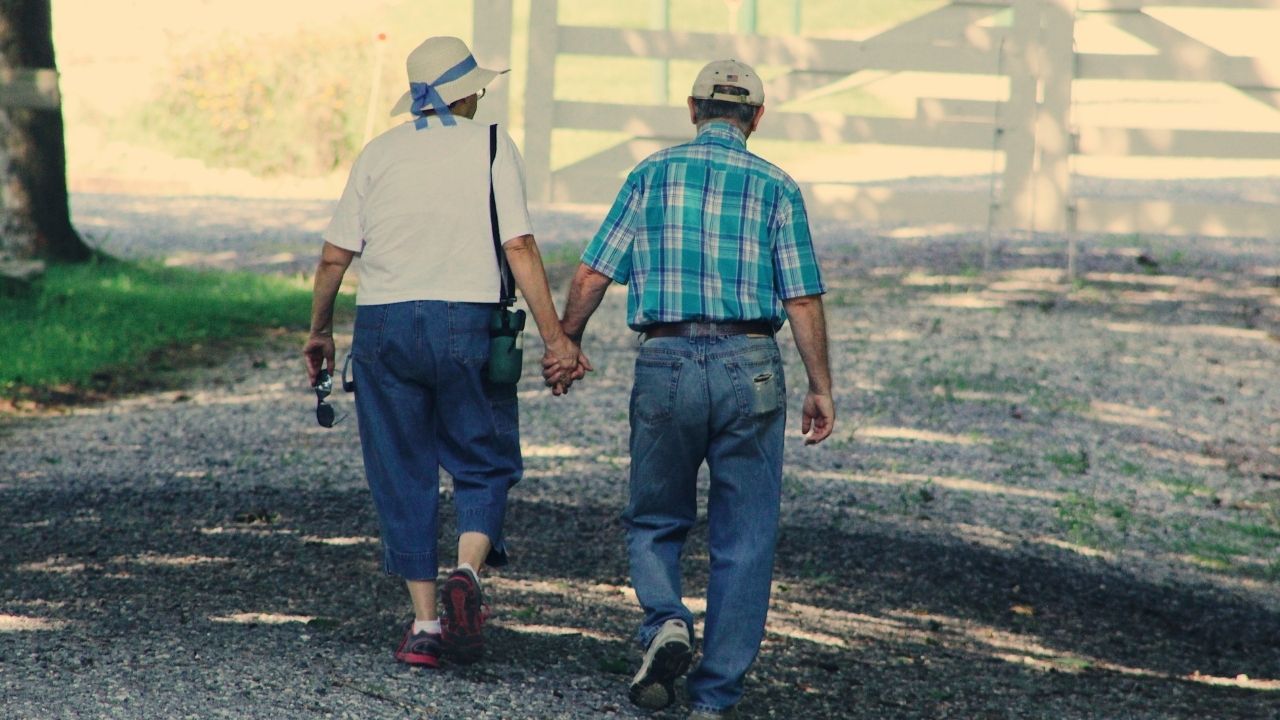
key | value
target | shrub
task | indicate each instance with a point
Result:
(295, 107)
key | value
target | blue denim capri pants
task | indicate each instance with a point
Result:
(423, 403)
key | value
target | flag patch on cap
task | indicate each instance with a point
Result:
(731, 78)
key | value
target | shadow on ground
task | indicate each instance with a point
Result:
(870, 624)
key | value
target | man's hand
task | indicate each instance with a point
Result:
(318, 352)
(562, 364)
(809, 328)
(558, 380)
(819, 418)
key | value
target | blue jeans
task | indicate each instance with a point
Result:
(722, 400)
(423, 402)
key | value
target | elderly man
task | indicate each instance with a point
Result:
(424, 207)
(714, 243)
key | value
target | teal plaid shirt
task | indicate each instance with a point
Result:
(707, 231)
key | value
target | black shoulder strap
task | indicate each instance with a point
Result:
(507, 283)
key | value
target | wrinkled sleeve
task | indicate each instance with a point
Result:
(346, 227)
(795, 265)
(609, 252)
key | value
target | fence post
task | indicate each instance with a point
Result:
(1036, 128)
(742, 16)
(375, 88)
(660, 19)
(491, 43)
(747, 20)
(540, 97)
(1017, 122)
(1054, 130)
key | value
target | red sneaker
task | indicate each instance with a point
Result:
(462, 617)
(421, 649)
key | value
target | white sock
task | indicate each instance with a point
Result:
(467, 566)
(428, 626)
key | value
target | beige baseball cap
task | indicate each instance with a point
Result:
(733, 73)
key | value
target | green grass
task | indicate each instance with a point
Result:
(949, 384)
(1092, 522)
(562, 254)
(81, 319)
(1238, 547)
(1183, 487)
(1069, 462)
(1129, 468)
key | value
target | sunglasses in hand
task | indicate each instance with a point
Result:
(324, 411)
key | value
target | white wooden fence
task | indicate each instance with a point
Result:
(1032, 130)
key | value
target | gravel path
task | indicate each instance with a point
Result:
(1044, 500)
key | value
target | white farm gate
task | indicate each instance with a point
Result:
(1030, 131)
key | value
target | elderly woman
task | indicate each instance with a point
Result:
(424, 208)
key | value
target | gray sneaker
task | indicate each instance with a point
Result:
(667, 658)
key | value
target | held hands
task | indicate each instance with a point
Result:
(318, 352)
(818, 417)
(562, 364)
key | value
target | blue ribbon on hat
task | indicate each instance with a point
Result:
(425, 94)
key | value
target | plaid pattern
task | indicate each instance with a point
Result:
(707, 231)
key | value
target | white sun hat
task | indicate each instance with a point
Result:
(441, 70)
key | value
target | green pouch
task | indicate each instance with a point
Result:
(506, 346)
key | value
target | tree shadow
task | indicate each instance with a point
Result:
(882, 622)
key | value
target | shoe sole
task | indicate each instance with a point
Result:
(418, 660)
(654, 689)
(463, 640)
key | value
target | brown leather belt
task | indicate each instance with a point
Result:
(709, 329)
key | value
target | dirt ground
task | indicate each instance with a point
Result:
(1045, 499)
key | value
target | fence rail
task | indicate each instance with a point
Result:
(1031, 132)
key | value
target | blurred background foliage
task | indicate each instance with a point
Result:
(284, 108)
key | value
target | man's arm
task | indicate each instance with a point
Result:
(809, 328)
(562, 353)
(585, 293)
(319, 349)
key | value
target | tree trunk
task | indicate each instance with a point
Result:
(35, 222)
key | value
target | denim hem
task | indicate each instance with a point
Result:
(411, 566)
(481, 520)
(497, 556)
(646, 633)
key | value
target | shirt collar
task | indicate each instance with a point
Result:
(722, 132)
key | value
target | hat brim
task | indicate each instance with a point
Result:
(469, 84)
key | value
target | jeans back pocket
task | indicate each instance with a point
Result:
(653, 396)
(758, 383)
(469, 333)
(366, 343)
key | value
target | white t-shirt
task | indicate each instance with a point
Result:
(416, 208)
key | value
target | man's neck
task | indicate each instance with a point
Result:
(746, 133)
